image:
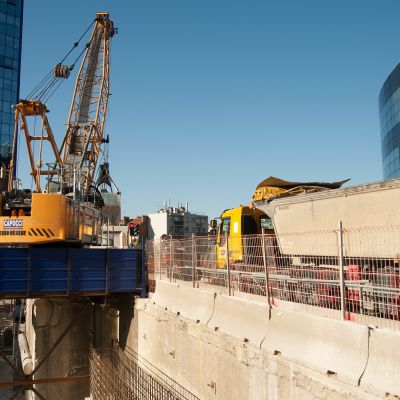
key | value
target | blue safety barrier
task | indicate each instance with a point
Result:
(35, 272)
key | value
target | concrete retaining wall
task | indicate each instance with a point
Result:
(330, 346)
(166, 295)
(244, 319)
(344, 359)
(383, 368)
(194, 304)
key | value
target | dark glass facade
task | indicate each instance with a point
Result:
(389, 111)
(11, 16)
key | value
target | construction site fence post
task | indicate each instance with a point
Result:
(171, 258)
(159, 255)
(264, 254)
(341, 270)
(143, 292)
(193, 259)
(228, 273)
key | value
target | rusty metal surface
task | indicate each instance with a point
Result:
(31, 382)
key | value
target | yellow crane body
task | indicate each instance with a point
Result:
(53, 218)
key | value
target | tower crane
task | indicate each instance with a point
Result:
(67, 209)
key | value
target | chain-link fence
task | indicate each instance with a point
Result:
(352, 274)
(117, 374)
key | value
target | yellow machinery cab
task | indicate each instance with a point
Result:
(236, 223)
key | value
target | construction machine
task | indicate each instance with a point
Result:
(236, 223)
(66, 207)
(317, 233)
(239, 222)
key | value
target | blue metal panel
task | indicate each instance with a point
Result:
(49, 270)
(124, 267)
(32, 272)
(88, 272)
(13, 270)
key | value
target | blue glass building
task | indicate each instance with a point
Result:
(11, 15)
(389, 110)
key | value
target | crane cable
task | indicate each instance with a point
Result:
(47, 83)
(106, 147)
(33, 150)
(71, 67)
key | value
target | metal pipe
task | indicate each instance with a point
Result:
(26, 356)
(227, 263)
(264, 253)
(144, 280)
(108, 232)
(341, 270)
(113, 235)
(170, 259)
(193, 259)
(45, 380)
(159, 254)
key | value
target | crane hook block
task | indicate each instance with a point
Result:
(62, 71)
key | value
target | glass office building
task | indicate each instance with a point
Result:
(389, 110)
(11, 15)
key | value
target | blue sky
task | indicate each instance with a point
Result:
(209, 97)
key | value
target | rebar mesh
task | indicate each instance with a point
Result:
(352, 274)
(6, 323)
(124, 375)
(7, 347)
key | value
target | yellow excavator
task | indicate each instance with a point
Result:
(67, 208)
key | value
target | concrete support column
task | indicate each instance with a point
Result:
(59, 332)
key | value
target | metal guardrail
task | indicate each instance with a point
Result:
(260, 267)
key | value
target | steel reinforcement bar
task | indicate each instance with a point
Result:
(123, 375)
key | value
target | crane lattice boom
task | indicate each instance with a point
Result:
(84, 136)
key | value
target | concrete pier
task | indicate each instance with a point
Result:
(59, 332)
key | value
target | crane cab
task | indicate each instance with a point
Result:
(236, 223)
